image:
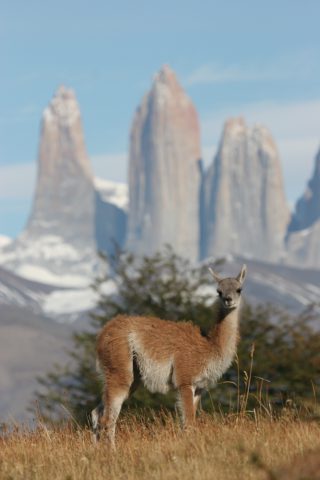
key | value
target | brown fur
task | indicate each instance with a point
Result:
(168, 355)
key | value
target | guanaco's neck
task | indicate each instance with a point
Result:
(225, 333)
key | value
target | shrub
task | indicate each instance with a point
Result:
(278, 356)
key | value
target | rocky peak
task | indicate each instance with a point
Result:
(60, 232)
(257, 137)
(62, 150)
(234, 126)
(64, 193)
(63, 108)
(166, 88)
(246, 210)
(164, 176)
(165, 77)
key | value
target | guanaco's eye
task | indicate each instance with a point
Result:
(239, 290)
(219, 293)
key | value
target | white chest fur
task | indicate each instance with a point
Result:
(221, 360)
(213, 371)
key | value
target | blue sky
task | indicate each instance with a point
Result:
(250, 58)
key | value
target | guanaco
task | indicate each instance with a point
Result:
(166, 355)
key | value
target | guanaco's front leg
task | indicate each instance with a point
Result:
(186, 405)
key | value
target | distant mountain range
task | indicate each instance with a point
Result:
(236, 209)
(237, 206)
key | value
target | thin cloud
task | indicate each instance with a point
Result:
(208, 74)
(302, 64)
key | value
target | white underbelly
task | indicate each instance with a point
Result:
(156, 377)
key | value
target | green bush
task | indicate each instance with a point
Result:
(285, 360)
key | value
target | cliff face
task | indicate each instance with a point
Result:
(303, 240)
(164, 174)
(303, 247)
(245, 207)
(111, 215)
(307, 210)
(64, 197)
(60, 235)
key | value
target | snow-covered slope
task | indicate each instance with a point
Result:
(287, 288)
(53, 301)
(49, 259)
(43, 299)
(67, 304)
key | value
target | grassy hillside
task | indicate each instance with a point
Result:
(219, 447)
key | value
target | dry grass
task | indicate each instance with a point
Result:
(217, 448)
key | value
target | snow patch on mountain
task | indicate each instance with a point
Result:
(47, 247)
(113, 192)
(39, 274)
(4, 240)
(69, 301)
(50, 260)
(10, 296)
(64, 302)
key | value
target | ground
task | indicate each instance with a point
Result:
(219, 448)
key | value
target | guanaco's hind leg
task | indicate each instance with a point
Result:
(105, 415)
(120, 381)
(96, 416)
(114, 397)
(119, 385)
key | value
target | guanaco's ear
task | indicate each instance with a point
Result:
(214, 274)
(242, 274)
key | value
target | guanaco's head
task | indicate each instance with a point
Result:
(229, 289)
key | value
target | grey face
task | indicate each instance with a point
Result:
(229, 291)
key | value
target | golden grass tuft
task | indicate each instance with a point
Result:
(218, 447)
